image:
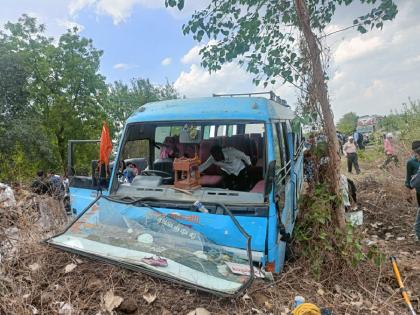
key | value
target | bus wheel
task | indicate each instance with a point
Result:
(290, 254)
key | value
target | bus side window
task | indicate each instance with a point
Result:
(221, 131)
(280, 177)
(285, 129)
(209, 132)
(297, 139)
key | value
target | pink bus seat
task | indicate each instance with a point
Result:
(259, 187)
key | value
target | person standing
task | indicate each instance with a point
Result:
(340, 139)
(355, 137)
(413, 167)
(389, 151)
(55, 185)
(349, 150)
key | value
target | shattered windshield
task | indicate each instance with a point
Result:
(141, 237)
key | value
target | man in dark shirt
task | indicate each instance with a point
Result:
(413, 166)
(40, 184)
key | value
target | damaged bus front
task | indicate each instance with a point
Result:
(213, 225)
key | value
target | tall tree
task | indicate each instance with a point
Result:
(347, 124)
(51, 91)
(63, 83)
(124, 98)
(262, 35)
(23, 139)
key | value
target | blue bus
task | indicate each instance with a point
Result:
(149, 224)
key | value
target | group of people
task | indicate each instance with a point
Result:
(350, 149)
(412, 181)
(51, 184)
(233, 164)
(352, 145)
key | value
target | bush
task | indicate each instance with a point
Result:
(321, 243)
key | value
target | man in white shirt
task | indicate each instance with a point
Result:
(350, 151)
(233, 164)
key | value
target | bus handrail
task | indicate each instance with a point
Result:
(299, 150)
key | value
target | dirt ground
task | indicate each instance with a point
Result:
(34, 278)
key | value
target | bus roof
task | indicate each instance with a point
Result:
(212, 108)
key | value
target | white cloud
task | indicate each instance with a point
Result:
(120, 66)
(192, 56)
(331, 28)
(338, 75)
(121, 10)
(68, 24)
(124, 66)
(376, 72)
(166, 62)
(357, 47)
(51, 13)
(376, 87)
(76, 5)
(198, 82)
(412, 60)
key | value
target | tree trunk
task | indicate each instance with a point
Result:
(321, 94)
(62, 148)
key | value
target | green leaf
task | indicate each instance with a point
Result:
(180, 4)
(361, 29)
(200, 35)
(224, 32)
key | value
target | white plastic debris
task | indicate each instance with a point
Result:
(69, 268)
(200, 254)
(355, 218)
(199, 311)
(34, 267)
(149, 298)
(111, 301)
(145, 238)
(344, 188)
(34, 310)
(7, 197)
(65, 309)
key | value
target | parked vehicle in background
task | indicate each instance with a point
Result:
(152, 225)
(367, 125)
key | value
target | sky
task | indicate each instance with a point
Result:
(372, 73)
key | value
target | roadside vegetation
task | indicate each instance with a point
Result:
(40, 278)
(347, 124)
(51, 90)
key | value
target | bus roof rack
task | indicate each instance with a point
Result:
(273, 96)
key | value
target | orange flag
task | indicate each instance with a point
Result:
(105, 147)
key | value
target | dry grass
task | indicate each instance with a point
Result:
(367, 289)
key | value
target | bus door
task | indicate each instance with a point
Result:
(283, 189)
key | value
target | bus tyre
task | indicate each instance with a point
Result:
(289, 255)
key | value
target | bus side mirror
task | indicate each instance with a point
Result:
(269, 177)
